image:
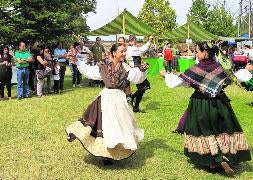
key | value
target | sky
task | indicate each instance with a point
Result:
(107, 10)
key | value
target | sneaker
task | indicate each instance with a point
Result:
(74, 85)
(79, 85)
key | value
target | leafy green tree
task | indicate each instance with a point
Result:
(159, 15)
(45, 20)
(215, 19)
(198, 12)
(221, 22)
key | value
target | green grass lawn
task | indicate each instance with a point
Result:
(33, 142)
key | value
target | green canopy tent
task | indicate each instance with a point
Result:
(191, 31)
(197, 33)
(125, 23)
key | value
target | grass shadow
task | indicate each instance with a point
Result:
(145, 98)
(243, 167)
(250, 104)
(239, 169)
(145, 151)
(152, 106)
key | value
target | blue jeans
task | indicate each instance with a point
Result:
(23, 78)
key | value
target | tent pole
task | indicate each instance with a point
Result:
(188, 36)
(118, 15)
(124, 24)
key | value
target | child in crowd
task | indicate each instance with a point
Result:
(56, 75)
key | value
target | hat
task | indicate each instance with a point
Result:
(132, 37)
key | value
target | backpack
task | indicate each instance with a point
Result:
(168, 54)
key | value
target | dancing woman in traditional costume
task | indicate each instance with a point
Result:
(213, 135)
(107, 128)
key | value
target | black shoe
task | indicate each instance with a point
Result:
(178, 131)
(71, 137)
(107, 161)
(91, 84)
(137, 109)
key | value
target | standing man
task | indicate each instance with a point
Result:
(98, 49)
(134, 54)
(22, 60)
(84, 54)
(175, 57)
(167, 55)
(60, 54)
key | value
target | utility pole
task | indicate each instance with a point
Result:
(244, 9)
(249, 18)
(240, 18)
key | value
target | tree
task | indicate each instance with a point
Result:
(221, 22)
(198, 12)
(159, 15)
(215, 19)
(46, 20)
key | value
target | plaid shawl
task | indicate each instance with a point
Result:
(208, 76)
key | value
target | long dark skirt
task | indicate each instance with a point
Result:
(212, 132)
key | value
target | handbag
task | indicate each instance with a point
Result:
(41, 74)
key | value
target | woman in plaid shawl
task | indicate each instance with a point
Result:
(213, 135)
